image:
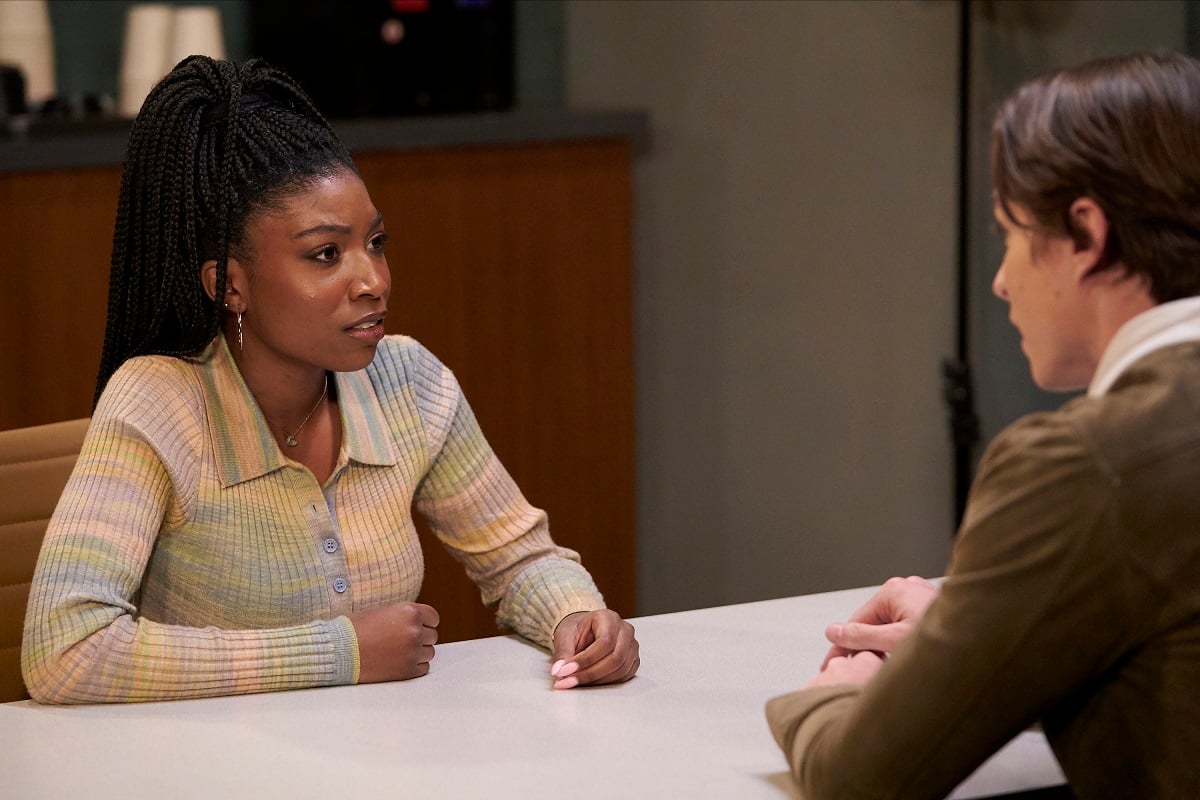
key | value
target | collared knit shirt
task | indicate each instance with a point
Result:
(189, 556)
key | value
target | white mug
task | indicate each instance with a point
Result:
(197, 32)
(148, 29)
(27, 41)
(157, 37)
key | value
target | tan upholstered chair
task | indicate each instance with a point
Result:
(34, 466)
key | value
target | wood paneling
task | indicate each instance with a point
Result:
(57, 229)
(513, 264)
(514, 267)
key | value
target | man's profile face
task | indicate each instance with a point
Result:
(1037, 281)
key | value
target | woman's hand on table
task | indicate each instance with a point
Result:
(593, 647)
(395, 642)
(884, 620)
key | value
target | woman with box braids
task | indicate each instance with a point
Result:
(240, 518)
(212, 143)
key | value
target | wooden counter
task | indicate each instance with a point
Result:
(511, 258)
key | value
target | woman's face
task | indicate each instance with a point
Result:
(314, 280)
(1037, 280)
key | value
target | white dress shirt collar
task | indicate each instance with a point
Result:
(1169, 323)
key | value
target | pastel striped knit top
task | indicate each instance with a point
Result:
(189, 557)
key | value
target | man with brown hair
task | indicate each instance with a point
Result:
(1072, 598)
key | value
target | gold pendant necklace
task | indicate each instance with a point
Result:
(290, 438)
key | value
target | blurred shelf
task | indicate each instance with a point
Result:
(28, 145)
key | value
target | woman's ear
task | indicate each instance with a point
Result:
(234, 276)
(208, 277)
(1089, 226)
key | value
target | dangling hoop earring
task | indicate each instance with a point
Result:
(239, 324)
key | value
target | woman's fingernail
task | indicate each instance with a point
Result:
(557, 666)
(835, 631)
(566, 683)
(569, 669)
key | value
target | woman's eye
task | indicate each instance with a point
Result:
(326, 254)
(378, 242)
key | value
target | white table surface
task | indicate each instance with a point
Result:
(483, 724)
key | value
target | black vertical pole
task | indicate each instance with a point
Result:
(956, 372)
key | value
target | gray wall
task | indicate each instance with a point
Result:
(795, 286)
(796, 257)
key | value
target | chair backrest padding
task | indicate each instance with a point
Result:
(34, 466)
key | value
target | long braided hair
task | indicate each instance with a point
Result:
(213, 143)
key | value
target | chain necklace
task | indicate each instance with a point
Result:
(290, 438)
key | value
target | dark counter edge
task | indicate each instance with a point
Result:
(86, 144)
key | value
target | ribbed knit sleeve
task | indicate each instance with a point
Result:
(189, 556)
(475, 508)
(84, 639)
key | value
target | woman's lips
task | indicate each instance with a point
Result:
(369, 331)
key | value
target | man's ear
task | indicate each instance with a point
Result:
(234, 277)
(1089, 227)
